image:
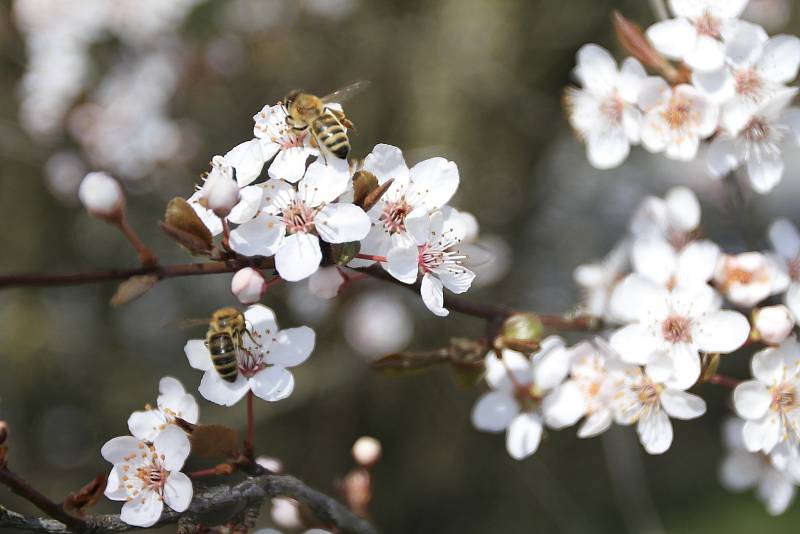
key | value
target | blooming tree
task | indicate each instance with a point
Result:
(662, 312)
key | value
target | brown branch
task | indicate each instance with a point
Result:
(22, 488)
(104, 275)
(251, 491)
(723, 380)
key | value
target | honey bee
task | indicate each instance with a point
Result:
(226, 331)
(327, 126)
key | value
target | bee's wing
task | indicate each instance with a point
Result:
(346, 93)
(187, 323)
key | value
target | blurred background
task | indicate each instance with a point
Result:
(150, 90)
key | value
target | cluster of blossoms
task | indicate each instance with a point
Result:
(661, 293)
(306, 205)
(147, 465)
(724, 81)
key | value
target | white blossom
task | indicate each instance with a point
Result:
(747, 279)
(785, 240)
(757, 71)
(220, 192)
(434, 254)
(366, 450)
(667, 330)
(675, 119)
(597, 280)
(173, 403)
(148, 476)
(101, 195)
(278, 141)
(644, 399)
(674, 218)
(658, 261)
(415, 192)
(773, 324)
(292, 221)
(518, 390)
(759, 143)
(696, 33)
(603, 111)
(742, 470)
(770, 403)
(264, 360)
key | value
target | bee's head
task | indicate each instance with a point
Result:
(303, 106)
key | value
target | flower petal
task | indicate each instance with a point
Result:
(655, 432)
(596, 69)
(250, 200)
(146, 424)
(635, 343)
(433, 183)
(298, 257)
(751, 399)
(564, 405)
(342, 223)
(386, 162)
(686, 366)
(780, 60)
(595, 424)
(198, 355)
(721, 331)
(765, 172)
(261, 236)
(682, 405)
(272, 384)
(173, 447)
(494, 411)
(291, 347)
(524, 435)
(767, 366)
(433, 295)
(637, 298)
(143, 511)
(403, 263)
(117, 449)
(762, 434)
(785, 239)
(248, 160)
(219, 391)
(674, 38)
(289, 164)
(178, 491)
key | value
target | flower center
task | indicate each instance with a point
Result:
(748, 83)
(528, 397)
(678, 113)
(708, 25)
(756, 131)
(677, 329)
(648, 393)
(784, 397)
(298, 217)
(394, 216)
(612, 108)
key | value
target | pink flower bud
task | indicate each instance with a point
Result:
(220, 192)
(101, 195)
(367, 451)
(248, 285)
(773, 323)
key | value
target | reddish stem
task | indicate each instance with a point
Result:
(723, 380)
(371, 257)
(249, 447)
(146, 256)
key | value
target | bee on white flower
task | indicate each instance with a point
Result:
(173, 403)
(646, 400)
(669, 329)
(785, 240)
(676, 118)
(434, 254)
(517, 400)
(742, 470)
(147, 476)
(264, 360)
(696, 35)
(759, 143)
(603, 111)
(747, 279)
(771, 403)
(415, 192)
(277, 140)
(294, 219)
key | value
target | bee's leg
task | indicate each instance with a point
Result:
(319, 145)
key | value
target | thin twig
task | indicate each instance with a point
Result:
(146, 256)
(22, 488)
(249, 444)
(723, 380)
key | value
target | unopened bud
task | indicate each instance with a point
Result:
(102, 196)
(248, 285)
(273, 465)
(285, 513)
(522, 332)
(3, 432)
(367, 451)
(773, 324)
(220, 192)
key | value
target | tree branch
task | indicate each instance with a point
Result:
(251, 491)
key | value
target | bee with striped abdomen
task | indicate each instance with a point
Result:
(327, 125)
(226, 331)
